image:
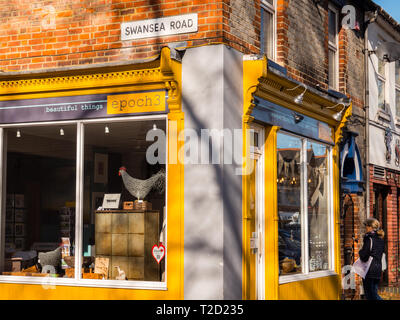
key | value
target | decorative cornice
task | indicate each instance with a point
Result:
(155, 73)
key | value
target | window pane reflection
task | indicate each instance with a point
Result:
(289, 203)
(318, 206)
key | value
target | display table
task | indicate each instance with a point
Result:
(126, 238)
(86, 273)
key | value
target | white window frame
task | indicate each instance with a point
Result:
(334, 46)
(382, 78)
(306, 274)
(49, 282)
(265, 5)
(397, 88)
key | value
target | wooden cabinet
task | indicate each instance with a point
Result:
(126, 237)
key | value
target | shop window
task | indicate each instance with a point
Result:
(119, 227)
(303, 205)
(121, 235)
(333, 75)
(268, 28)
(40, 203)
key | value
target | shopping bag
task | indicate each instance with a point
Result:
(360, 267)
(384, 265)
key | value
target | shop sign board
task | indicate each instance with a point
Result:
(270, 113)
(84, 106)
(159, 27)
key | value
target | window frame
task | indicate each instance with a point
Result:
(334, 47)
(306, 274)
(265, 5)
(397, 87)
(77, 281)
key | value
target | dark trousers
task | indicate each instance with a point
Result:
(371, 289)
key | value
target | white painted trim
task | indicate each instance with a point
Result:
(302, 277)
(118, 284)
(272, 9)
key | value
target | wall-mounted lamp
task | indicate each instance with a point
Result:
(106, 130)
(18, 134)
(338, 116)
(299, 99)
(297, 117)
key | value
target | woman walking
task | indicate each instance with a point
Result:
(375, 234)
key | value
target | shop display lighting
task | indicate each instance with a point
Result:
(18, 134)
(106, 130)
(299, 99)
(61, 132)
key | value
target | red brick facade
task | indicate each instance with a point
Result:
(384, 205)
(47, 34)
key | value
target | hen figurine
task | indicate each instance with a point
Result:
(140, 188)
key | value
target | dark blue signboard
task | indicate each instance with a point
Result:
(83, 106)
(273, 114)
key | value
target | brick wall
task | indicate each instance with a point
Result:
(391, 185)
(40, 34)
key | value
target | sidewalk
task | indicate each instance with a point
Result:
(389, 293)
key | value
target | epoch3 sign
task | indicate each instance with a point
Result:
(159, 27)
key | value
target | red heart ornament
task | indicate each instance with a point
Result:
(158, 252)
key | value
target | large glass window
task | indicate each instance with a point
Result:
(124, 203)
(318, 206)
(40, 205)
(303, 205)
(115, 223)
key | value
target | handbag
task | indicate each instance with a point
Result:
(360, 267)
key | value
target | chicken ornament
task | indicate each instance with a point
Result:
(140, 188)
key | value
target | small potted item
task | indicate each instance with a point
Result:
(288, 265)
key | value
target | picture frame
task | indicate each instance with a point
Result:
(19, 230)
(111, 201)
(19, 215)
(19, 201)
(19, 243)
(100, 168)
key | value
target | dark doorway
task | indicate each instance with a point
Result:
(380, 213)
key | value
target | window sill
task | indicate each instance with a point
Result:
(384, 116)
(48, 282)
(302, 277)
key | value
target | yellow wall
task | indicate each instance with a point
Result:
(325, 288)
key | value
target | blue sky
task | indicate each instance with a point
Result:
(390, 6)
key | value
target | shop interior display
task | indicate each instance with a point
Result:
(117, 243)
(290, 204)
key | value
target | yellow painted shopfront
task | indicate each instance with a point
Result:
(71, 143)
(291, 221)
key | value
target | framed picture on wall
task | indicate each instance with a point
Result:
(100, 168)
(19, 201)
(19, 215)
(19, 230)
(19, 243)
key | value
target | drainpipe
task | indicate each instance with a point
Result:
(366, 60)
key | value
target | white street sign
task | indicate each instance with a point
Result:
(159, 27)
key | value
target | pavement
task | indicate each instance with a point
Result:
(389, 293)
